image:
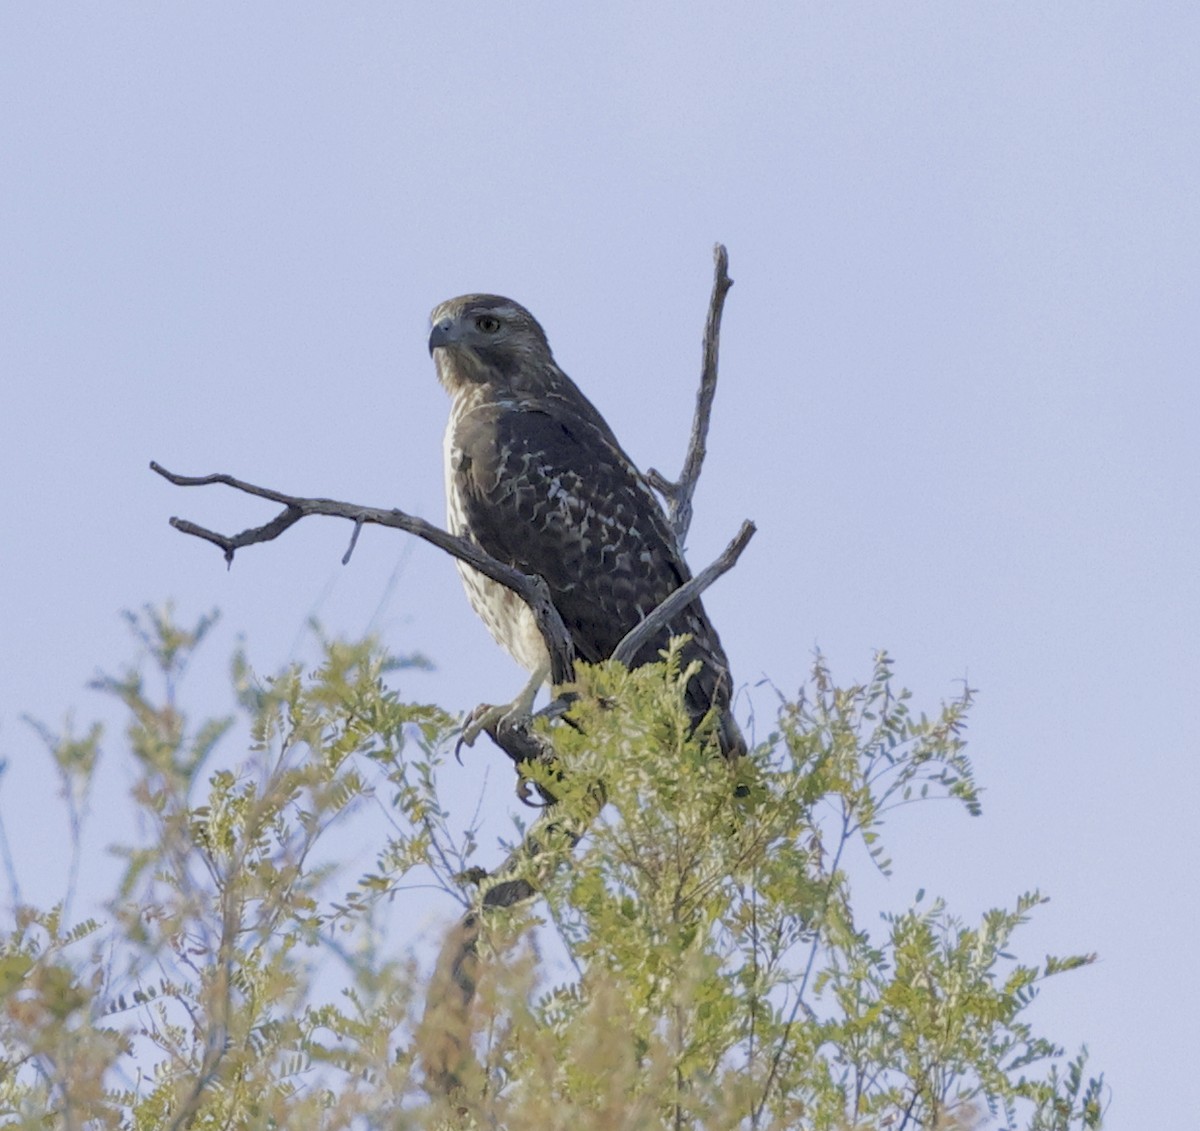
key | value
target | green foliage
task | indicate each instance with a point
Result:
(719, 977)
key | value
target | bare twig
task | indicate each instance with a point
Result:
(358, 525)
(683, 596)
(678, 495)
(529, 587)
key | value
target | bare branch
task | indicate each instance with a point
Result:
(289, 516)
(678, 495)
(529, 587)
(683, 596)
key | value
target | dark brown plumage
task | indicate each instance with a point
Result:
(536, 478)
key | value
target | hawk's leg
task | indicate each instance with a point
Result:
(487, 717)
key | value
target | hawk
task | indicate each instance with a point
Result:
(536, 478)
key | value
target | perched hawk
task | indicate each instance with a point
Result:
(535, 477)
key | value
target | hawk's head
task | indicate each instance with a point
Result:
(486, 339)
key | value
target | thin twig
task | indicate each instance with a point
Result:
(358, 525)
(529, 587)
(216, 1041)
(10, 868)
(678, 494)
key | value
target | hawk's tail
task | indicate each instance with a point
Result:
(733, 745)
(711, 688)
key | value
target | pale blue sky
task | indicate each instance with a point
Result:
(959, 379)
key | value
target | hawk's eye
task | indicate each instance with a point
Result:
(487, 323)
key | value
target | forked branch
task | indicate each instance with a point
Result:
(529, 587)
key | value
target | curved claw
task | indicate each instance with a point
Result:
(525, 791)
(471, 729)
(485, 718)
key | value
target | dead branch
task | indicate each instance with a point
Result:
(529, 587)
(678, 494)
(515, 738)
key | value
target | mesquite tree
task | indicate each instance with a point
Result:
(686, 952)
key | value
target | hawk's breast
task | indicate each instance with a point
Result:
(507, 617)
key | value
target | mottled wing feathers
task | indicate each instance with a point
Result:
(543, 494)
(549, 492)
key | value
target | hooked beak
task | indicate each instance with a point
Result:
(442, 334)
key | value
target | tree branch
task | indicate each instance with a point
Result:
(529, 587)
(678, 495)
